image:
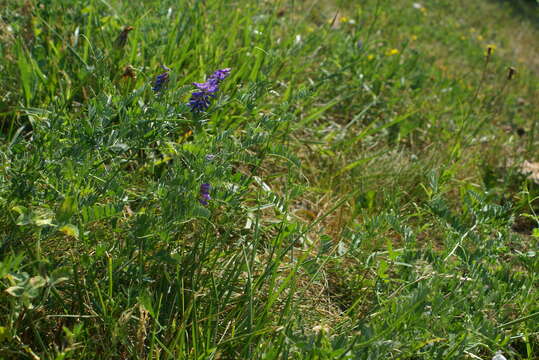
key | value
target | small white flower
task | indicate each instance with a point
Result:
(321, 329)
(417, 6)
(499, 356)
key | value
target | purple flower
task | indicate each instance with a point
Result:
(201, 100)
(209, 87)
(205, 194)
(220, 75)
(161, 79)
(204, 199)
(210, 157)
(205, 188)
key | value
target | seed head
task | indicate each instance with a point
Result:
(490, 49)
(511, 72)
(129, 72)
(121, 40)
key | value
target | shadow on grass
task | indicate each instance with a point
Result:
(526, 9)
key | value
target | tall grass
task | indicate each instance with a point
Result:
(364, 167)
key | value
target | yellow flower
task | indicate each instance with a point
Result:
(480, 38)
(392, 52)
(344, 19)
(414, 37)
(370, 57)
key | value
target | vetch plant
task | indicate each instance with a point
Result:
(161, 79)
(205, 194)
(201, 100)
(368, 206)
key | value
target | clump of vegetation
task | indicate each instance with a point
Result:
(357, 181)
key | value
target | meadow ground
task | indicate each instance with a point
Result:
(362, 183)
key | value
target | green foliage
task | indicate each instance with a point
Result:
(367, 199)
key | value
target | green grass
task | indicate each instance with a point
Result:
(367, 201)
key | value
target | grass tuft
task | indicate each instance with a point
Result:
(362, 185)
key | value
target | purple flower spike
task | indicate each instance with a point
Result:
(201, 100)
(204, 199)
(205, 194)
(220, 75)
(161, 79)
(209, 87)
(205, 188)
